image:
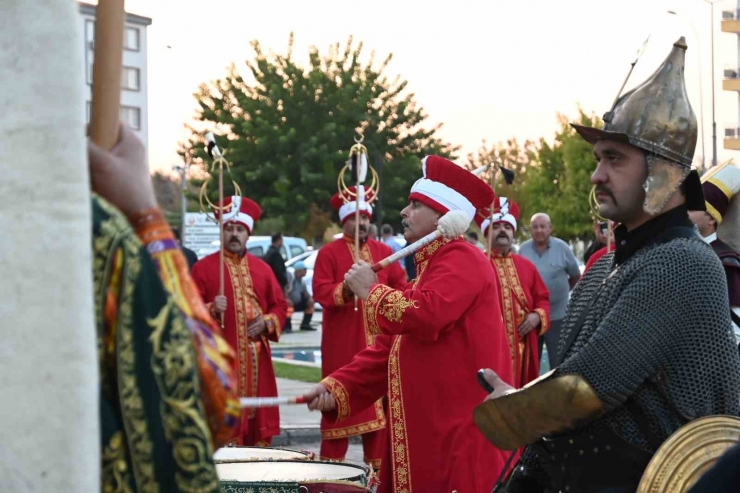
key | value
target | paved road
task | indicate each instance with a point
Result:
(306, 338)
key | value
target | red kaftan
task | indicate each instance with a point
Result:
(435, 335)
(522, 292)
(344, 332)
(251, 289)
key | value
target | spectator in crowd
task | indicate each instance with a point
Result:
(599, 242)
(190, 255)
(472, 238)
(559, 269)
(372, 231)
(275, 260)
(386, 232)
(297, 296)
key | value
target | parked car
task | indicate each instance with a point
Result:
(309, 258)
(258, 245)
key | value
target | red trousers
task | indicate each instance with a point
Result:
(372, 445)
(249, 439)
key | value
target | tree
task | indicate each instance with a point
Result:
(553, 178)
(167, 191)
(288, 131)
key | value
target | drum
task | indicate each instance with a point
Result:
(292, 477)
(246, 454)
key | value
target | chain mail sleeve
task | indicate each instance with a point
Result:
(662, 316)
(669, 313)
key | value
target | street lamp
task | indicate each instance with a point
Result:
(714, 120)
(701, 90)
(183, 200)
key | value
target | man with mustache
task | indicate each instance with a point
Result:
(433, 336)
(253, 311)
(646, 343)
(525, 299)
(344, 332)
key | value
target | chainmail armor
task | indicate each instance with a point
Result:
(663, 312)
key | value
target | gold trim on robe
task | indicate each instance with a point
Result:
(340, 395)
(246, 309)
(397, 429)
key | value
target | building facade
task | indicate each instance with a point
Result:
(731, 75)
(134, 102)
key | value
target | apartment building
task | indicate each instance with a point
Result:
(134, 103)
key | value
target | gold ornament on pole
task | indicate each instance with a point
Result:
(219, 162)
(358, 166)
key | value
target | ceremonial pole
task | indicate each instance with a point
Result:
(213, 150)
(358, 166)
(489, 236)
(359, 192)
(106, 88)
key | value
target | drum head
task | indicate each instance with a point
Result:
(245, 454)
(290, 471)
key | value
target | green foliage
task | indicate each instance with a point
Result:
(269, 226)
(553, 178)
(288, 129)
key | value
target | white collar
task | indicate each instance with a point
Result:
(709, 239)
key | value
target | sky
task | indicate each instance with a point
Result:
(485, 69)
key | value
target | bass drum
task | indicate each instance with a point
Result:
(247, 454)
(293, 477)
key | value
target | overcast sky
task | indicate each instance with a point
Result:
(486, 69)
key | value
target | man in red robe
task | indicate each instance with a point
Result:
(525, 299)
(344, 332)
(433, 336)
(253, 310)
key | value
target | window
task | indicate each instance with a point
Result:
(284, 253)
(130, 78)
(132, 116)
(89, 68)
(89, 39)
(256, 251)
(131, 39)
(295, 250)
(89, 33)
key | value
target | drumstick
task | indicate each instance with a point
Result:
(451, 225)
(254, 402)
(106, 87)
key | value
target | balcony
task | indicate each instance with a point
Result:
(731, 21)
(732, 137)
(731, 80)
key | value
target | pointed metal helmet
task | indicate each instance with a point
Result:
(656, 116)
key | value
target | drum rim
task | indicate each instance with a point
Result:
(306, 455)
(360, 480)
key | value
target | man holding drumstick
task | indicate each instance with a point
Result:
(432, 337)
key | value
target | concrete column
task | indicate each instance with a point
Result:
(49, 411)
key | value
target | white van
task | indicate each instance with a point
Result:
(292, 247)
